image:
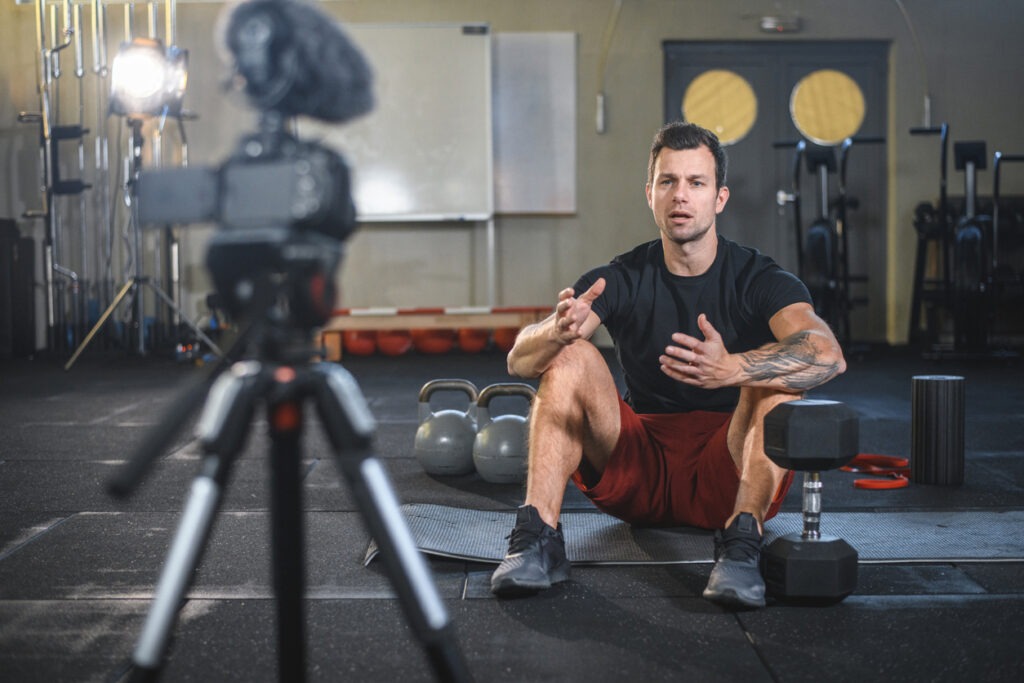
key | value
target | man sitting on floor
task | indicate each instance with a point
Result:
(710, 336)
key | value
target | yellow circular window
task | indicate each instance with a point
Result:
(723, 102)
(827, 106)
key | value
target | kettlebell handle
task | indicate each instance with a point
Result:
(463, 385)
(433, 386)
(503, 389)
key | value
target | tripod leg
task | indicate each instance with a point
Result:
(182, 560)
(287, 533)
(222, 428)
(99, 323)
(349, 426)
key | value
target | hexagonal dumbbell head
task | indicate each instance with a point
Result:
(823, 570)
(811, 435)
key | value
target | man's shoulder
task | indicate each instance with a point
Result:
(742, 258)
(738, 251)
(642, 254)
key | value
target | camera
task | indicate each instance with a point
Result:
(283, 206)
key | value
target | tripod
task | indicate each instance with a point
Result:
(283, 379)
(222, 429)
(137, 280)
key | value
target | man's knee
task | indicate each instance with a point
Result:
(579, 354)
(578, 389)
(574, 367)
(754, 404)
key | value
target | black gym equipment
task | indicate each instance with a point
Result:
(810, 436)
(823, 252)
(1005, 281)
(970, 255)
(932, 224)
(975, 275)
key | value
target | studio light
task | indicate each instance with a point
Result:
(147, 80)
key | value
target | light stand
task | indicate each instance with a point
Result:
(146, 81)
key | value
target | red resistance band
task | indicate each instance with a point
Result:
(894, 469)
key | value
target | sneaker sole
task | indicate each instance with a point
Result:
(511, 587)
(733, 599)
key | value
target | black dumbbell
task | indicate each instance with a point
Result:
(810, 436)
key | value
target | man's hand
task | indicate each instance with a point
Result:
(572, 311)
(706, 364)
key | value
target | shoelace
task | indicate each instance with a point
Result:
(737, 547)
(521, 538)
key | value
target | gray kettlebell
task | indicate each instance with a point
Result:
(499, 451)
(444, 440)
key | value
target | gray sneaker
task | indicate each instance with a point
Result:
(535, 560)
(736, 579)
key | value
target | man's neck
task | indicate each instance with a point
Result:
(691, 258)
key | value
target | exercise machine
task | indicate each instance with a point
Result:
(971, 247)
(1006, 278)
(823, 260)
(973, 273)
(932, 224)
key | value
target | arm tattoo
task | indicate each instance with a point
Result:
(793, 361)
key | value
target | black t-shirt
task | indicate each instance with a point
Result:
(643, 304)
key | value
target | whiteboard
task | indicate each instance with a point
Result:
(535, 122)
(425, 152)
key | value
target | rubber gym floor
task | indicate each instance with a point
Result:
(78, 567)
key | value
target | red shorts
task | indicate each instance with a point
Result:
(672, 470)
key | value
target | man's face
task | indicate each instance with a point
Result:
(682, 194)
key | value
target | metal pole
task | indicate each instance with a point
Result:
(45, 147)
(133, 209)
(84, 269)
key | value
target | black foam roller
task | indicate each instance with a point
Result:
(937, 430)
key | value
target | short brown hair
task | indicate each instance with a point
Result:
(681, 135)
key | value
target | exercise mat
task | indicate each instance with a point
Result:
(596, 538)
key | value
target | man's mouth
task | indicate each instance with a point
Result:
(680, 215)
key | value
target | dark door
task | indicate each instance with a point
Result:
(757, 170)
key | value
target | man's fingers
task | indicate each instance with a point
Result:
(707, 328)
(685, 340)
(595, 291)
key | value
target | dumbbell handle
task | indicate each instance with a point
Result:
(812, 506)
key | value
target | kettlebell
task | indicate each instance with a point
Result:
(444, 440)
(499, 451)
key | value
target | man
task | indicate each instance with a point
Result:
(710, 336)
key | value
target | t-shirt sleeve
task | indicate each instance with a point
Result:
(774, 288)
(605, 305)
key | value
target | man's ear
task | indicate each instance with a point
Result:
(723, 197)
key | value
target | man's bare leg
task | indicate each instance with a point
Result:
(759, 476)
(575, 412)
(736, 578)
